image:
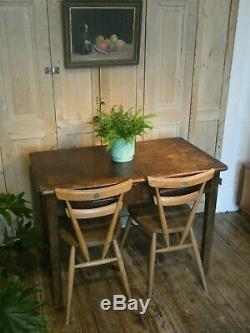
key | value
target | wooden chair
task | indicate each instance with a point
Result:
(170, 214)
(94, 225)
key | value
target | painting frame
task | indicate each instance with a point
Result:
(87, 25)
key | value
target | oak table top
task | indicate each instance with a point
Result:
(92, 166)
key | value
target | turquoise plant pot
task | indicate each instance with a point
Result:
(122, 151)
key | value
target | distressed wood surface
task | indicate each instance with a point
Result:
(2, 180)
(168, 70)
(27, 121)
(40, 112)
(213, 53)
(227, 71)
(178, 304)
(92, 166)
(75, 90)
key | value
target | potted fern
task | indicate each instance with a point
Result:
(119, 128)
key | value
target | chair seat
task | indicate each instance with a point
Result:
(94, 232)
(147, 215)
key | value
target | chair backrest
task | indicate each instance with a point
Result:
(180, 190)
(96, 196)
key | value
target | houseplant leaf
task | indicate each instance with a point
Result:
(20, 309)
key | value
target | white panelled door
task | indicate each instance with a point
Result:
(171, 29)
(185, 57)
(211, 74)
(75, 89)
(125, 84)
(27, 118)
(2, 180)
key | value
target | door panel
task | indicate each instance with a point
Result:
(2, 180)
(125, 84)
(36, 109)
(75, 90)
(27, 121)
(207, 142)
(171, 27)
(118, 86)
(209, 74)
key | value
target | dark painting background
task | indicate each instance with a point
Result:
(100, 21)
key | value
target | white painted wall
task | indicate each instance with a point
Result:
(236, 141)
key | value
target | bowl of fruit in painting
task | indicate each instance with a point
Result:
(109, 45)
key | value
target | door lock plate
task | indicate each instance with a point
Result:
(51, 70)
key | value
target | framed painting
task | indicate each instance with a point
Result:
(102, 33)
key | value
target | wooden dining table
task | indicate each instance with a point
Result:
(89, 167)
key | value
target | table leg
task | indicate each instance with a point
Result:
(52, 223)
(36, 203)
(209, 217)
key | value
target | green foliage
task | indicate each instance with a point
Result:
(20, 238)
(24, 238)
(20, 309)
(121, 124)
(15, 204)
(16, 213)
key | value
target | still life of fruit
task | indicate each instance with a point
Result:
(109, 45)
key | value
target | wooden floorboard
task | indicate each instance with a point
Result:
(179, 304)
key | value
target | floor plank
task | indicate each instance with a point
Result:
(179, 304)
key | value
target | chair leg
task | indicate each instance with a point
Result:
(152, 264)
(71, 272)
(198, 259)
(122, 268)
(126, 231)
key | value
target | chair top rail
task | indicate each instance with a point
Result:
(93, 194)
(181, 182)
